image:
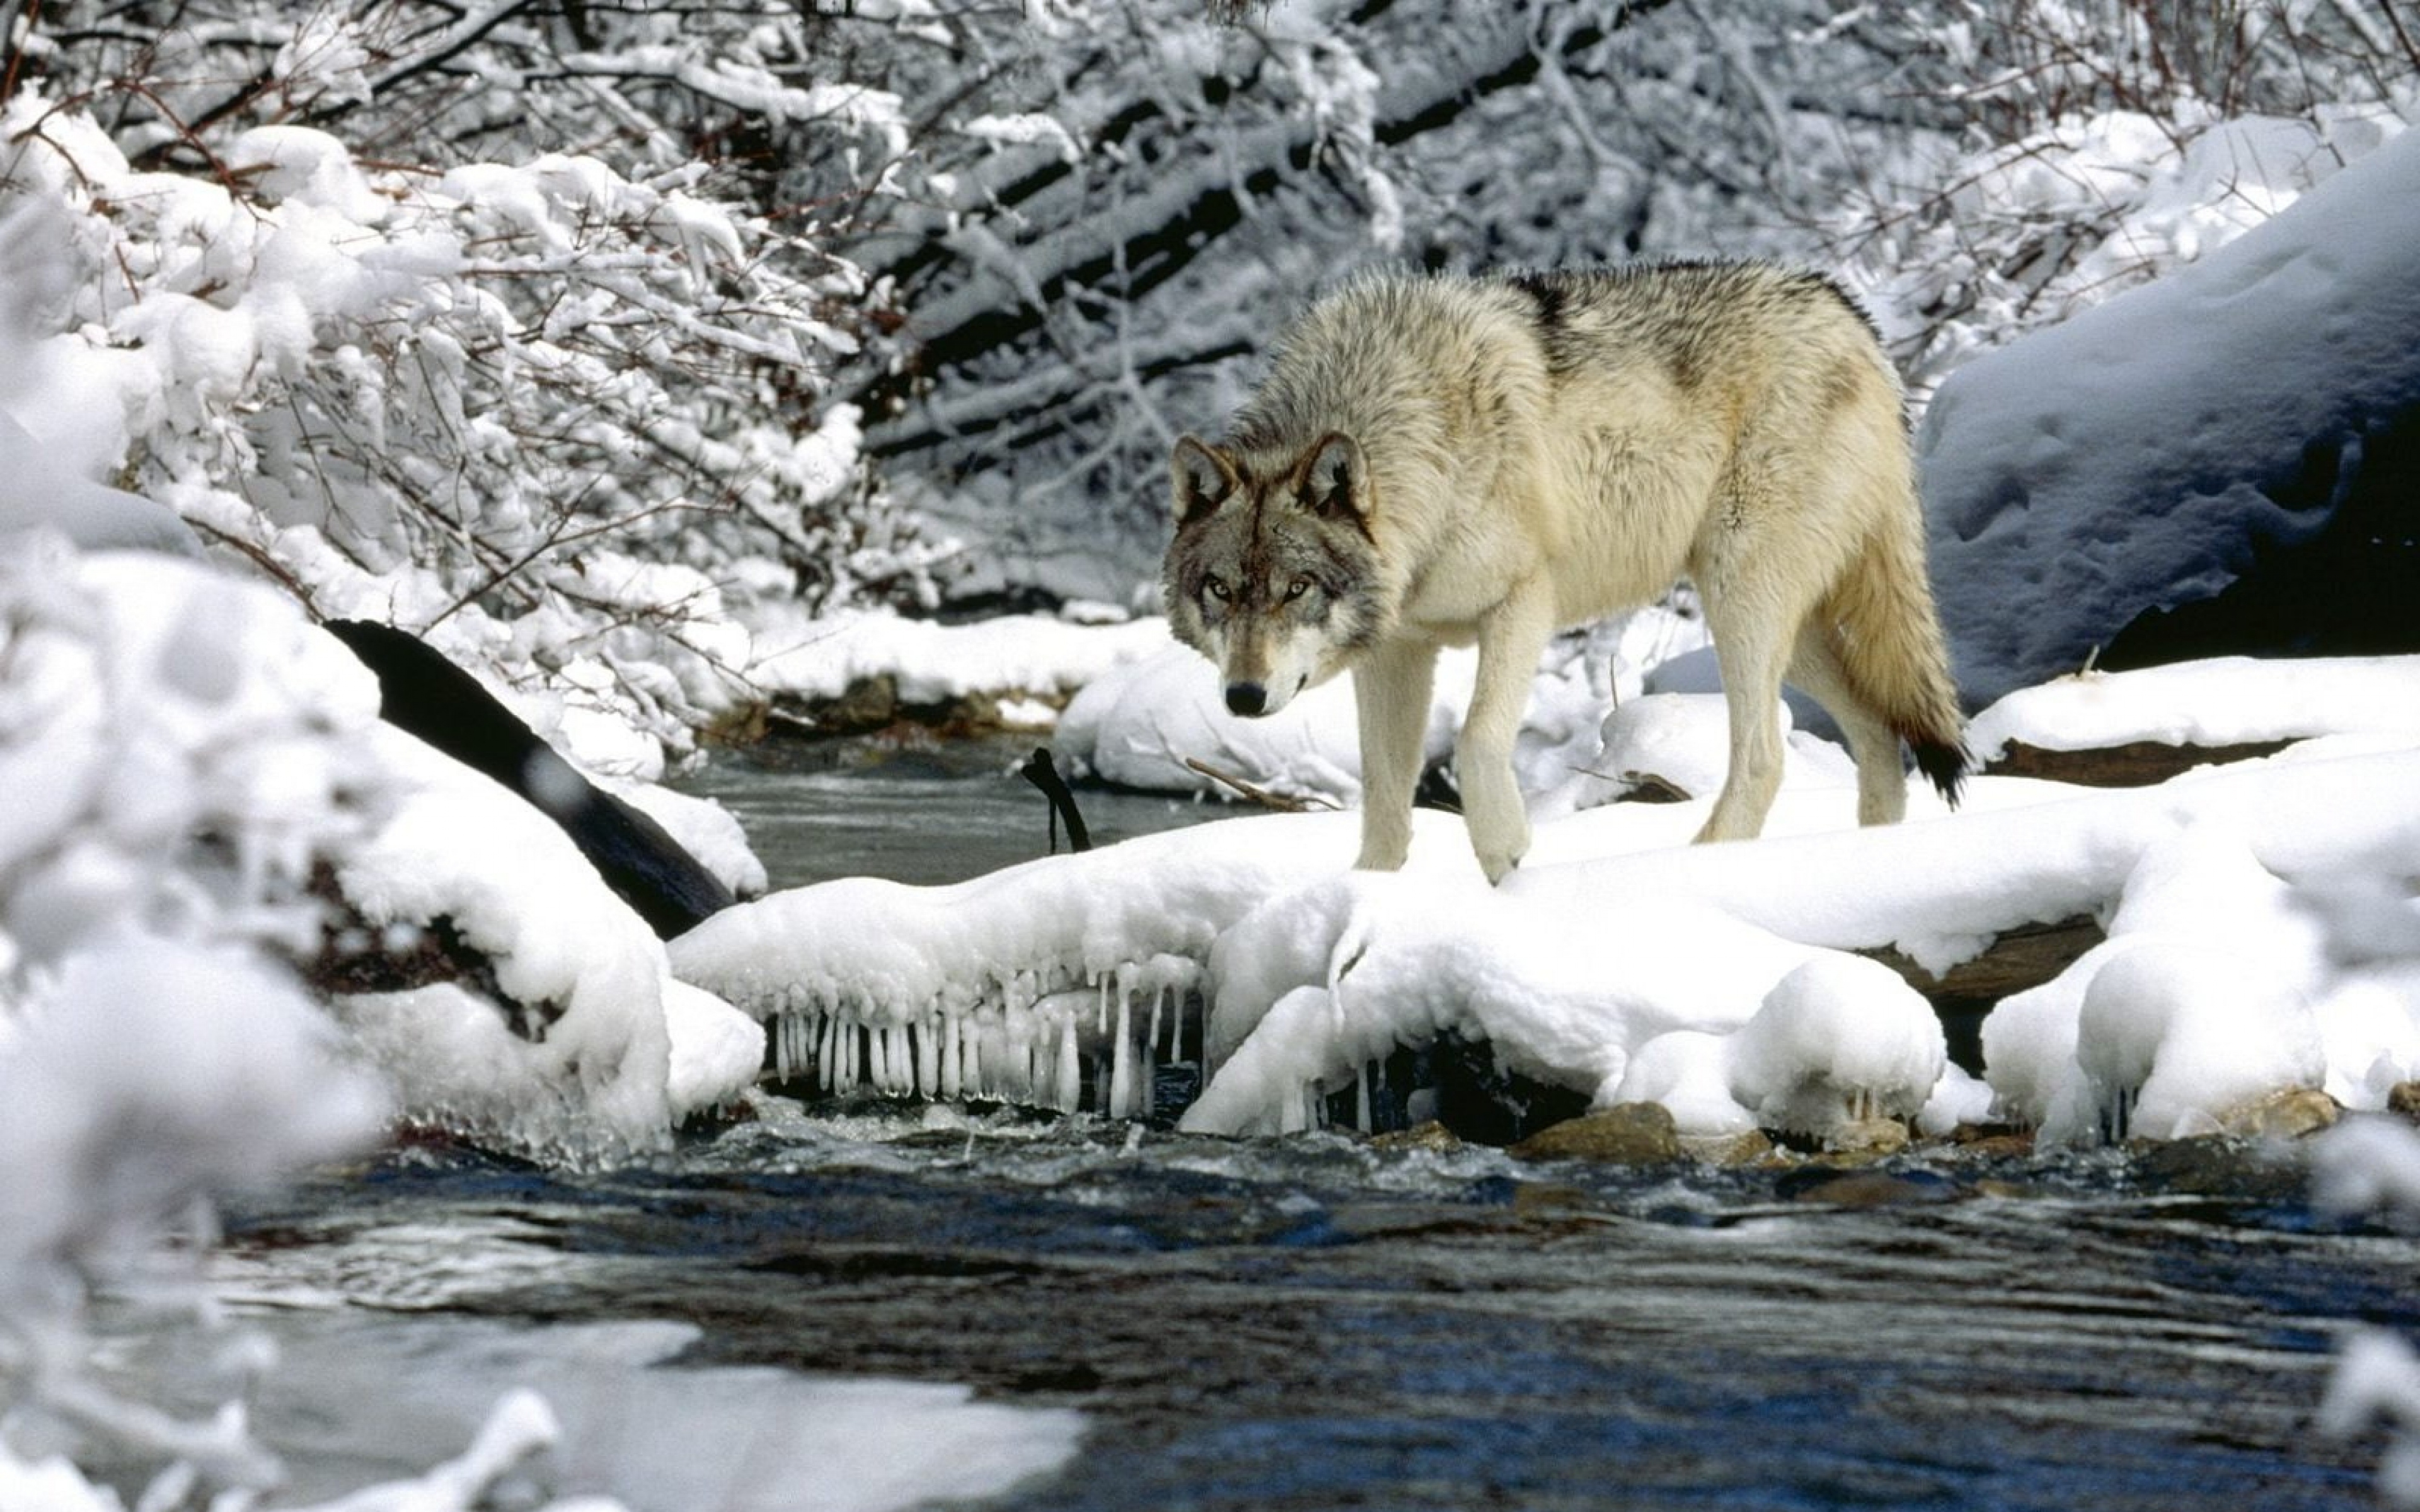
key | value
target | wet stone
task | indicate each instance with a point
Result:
(2292, 1113)
(2222, 1165)
(1867, 1189)
(1868, 1138)
(1727, 1150)
(2403, 1101)
(1630, 1133)
(1430, 1135)
(1995, 1147)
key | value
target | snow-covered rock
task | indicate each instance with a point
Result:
(1839, 1040)
(2136, 456)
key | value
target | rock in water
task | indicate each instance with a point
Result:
(1627, 1133)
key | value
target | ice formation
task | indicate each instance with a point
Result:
(1620, 963)
(1010, 985)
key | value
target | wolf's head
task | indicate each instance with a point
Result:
(1274, 572)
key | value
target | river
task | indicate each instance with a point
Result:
(818, 1307)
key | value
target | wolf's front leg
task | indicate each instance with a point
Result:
(1511, 637)
(1391, 697)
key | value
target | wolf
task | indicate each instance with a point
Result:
(1435, 461)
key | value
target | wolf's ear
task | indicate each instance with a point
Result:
(1333, 481)
(1200, 478)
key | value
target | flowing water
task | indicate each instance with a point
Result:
(1324, 1322)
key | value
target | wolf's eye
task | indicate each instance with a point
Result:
(1296, 588)
(1215, 588)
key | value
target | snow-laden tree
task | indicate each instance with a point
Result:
(478, 322)
(1124, 207)
(2098, 143)
(1118, 203)
(566, 329)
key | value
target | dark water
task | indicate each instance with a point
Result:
(924, 813)
(1324, 1322)
(1319, 1323)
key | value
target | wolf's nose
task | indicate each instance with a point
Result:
(1247, 698)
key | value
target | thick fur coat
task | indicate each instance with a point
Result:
(1438, 460)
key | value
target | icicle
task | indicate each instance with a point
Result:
(1147, 1085)
(1070, 1068)
(1361, 1097)
(828, 1053)
(1100, 1007)
(1151, 1039)
(1121, 1098)
(851, 1047)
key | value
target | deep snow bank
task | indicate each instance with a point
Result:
(2135, 457)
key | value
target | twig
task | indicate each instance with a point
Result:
(1039, 771)
(1259, 795)
(1643, 787)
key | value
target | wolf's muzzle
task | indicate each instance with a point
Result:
(1246, 698)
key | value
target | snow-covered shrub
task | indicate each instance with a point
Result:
(186, 760)
(2082, 147)
(1117, 215)
(178, 751)
(323, 290)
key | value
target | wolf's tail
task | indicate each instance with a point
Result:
(1892, 644)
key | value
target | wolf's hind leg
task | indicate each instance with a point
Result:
(1819, 669)
(1752, 640)
(1390, 702)
(1511, 637)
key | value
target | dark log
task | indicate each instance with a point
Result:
(2139, 764)
(1963, 997)
(423, 694)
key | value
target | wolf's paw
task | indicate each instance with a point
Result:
(1500, 860)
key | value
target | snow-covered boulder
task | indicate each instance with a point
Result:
(2146, 454)
(1839, 1040)
(548, 1033)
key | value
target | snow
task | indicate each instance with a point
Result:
(819, 658)
(1839, 1040)
(36, 492)
(1616, 936)
(589, 1068)
(2225, 701)
(2131, 457)
(296, 357)
(1139, 723)
(621, 1412)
